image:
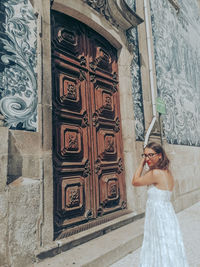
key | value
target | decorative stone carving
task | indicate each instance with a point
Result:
(117, 12)
(103, 8)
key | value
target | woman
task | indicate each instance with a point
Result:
(162, 244)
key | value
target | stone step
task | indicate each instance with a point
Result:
(101, 251)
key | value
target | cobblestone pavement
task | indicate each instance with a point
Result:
(189, 220)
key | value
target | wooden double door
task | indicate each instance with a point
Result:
(87, 141)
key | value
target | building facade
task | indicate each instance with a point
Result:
(79, 82)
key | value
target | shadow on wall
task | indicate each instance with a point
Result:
(15, 160)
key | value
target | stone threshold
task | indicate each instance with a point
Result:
(63, 245)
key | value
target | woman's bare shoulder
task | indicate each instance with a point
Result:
(162, 173)
(158, 172)
(164, 179)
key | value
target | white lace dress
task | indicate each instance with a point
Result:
(162, 244)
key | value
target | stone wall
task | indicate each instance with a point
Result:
(185, 169)
(20, 196)
(20, 149)
(3, 196)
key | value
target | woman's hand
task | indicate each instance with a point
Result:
(146, 179)
(138, 171)
(142, 162)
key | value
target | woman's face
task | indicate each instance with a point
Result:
(151, 157)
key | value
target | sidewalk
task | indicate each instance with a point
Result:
(189, 220)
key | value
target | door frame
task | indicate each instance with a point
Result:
(85, 14)
(101, 190)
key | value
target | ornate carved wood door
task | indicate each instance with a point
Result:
(87, 142)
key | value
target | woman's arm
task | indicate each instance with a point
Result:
(147, 179)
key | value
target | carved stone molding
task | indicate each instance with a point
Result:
(117, 12)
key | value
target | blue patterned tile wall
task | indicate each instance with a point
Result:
(132, 36)
(18, 79)
(177, 57)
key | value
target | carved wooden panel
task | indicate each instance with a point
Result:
(72, 190)
(109, 190)
(71, 141)
(107, 145)
(88, 161)
(70, 84)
